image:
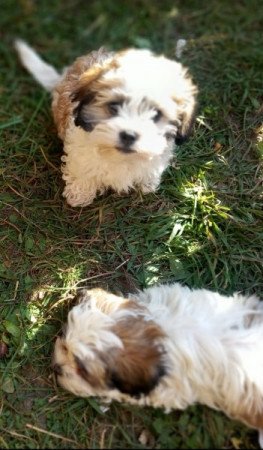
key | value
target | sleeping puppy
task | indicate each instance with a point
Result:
(169, 347)
(119, 115)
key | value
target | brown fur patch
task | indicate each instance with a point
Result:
(89, 77)
(137, 367)
(253, 419)
(187, 106)
(62, 106)
(94, 376)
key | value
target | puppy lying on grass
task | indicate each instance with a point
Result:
(169, 347)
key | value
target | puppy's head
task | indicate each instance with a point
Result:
(135, 103)
(110, 348)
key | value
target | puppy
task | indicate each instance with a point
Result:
(168, 347)
(119, 115)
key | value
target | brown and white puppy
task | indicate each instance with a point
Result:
(169, 347)
(119, 115)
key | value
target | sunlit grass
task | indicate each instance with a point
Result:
(203, 227)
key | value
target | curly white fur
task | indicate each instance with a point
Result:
(212, 349)
(154, 102)
(85, 177)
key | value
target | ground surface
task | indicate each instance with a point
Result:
(203, 227)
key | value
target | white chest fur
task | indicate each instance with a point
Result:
(89, 169)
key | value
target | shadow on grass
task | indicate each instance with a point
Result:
(38, 414)
(203, 227)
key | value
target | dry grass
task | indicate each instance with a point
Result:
(204, 226)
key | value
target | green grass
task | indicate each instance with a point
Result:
(203, 227)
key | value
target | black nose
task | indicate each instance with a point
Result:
(128, 138)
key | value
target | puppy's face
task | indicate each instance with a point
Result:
(135, 103)
(110, 348)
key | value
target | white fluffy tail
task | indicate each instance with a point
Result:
(45, 74)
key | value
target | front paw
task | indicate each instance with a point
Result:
(147, 188)
(77, 198)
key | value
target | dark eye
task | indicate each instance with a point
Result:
(113, 108)
(157, 115)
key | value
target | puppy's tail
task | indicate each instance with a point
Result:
(45, 74)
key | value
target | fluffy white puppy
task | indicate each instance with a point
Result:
(169, 347)
(119, 115)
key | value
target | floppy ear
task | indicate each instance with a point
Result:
(93, 376)
(82, 118)
(87, 86)
(187, 119)
(99, 63)
(136, 368)
(184, 95)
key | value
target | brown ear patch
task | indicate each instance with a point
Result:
(89, 77)
(62, 104)
(184, 132)
(187, 108)
(82, 118)
(94, 378)
(137, 368)
(187, 120)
